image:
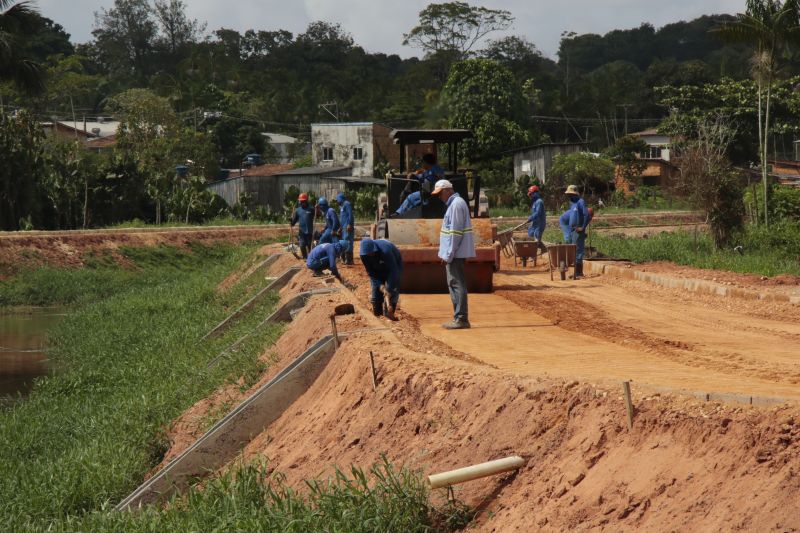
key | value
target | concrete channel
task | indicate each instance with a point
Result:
(230, 435)
(276, 284)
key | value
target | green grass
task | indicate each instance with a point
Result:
(127, 362)
(506, 212)
(252, 499)
(766, 252)
(221, 221)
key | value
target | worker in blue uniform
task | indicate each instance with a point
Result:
(330, 232)
(427, 177)
(347, 221)
(578, 220)
(384, 266)
(304, 216)
(538, 218)
(323, 257)
(563, 222)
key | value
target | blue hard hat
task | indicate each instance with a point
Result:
(368, 246)
(340, 246)
(322, 201)
(340, 197)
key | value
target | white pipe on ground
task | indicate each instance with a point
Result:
(453, 477)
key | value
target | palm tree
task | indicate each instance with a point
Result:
(16, 20)
(770, 26)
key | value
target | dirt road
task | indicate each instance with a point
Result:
(606, 331)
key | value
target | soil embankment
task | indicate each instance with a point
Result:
(538, 376)
(19, 250)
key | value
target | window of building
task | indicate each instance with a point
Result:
(652, 152)
(327, 153)
(358, 153)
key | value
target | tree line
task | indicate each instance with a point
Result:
(215, 91)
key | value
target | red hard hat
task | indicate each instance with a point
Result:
(533, 188)
(303, 197)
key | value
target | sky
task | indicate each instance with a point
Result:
(378, 25)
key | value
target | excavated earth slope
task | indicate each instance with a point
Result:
(539, 376)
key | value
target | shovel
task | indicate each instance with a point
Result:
(292, 247)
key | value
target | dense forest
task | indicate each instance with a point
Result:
(217, 89)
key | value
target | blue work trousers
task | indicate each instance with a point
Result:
(579, 239)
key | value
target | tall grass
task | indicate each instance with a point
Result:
(127, 363)
(252, 499)
(764, 251)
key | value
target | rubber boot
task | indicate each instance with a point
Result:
(578, 271)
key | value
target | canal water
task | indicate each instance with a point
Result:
(23, 355)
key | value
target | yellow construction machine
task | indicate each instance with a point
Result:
(416, 231)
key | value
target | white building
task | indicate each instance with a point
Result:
(658, 144)
(286, 147)
(357, 145)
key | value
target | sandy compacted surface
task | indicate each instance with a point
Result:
(538, 376)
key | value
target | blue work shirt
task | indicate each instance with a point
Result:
(346, 214)
(563, 222)
(331, 220)
(538, 218)
(323, 256)
(432, 175)
(386, 266)
(304, 216)
(578, 215)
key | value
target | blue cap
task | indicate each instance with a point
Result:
(340, 197)
(340, 246)
(368, 246)
(322, 201)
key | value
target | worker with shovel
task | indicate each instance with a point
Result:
(538, 218)
(384, 266)
(578, 220)
(347, 221)
(329, 233)
(304, 216)
(323, 257)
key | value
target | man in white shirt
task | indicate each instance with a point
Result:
(456, 245)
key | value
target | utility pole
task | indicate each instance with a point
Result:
(327, 107)
(625, 107)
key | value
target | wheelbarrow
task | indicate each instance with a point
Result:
(506, 240)
(527, 249)
(562, 257)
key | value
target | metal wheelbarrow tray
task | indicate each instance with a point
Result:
(562, 257)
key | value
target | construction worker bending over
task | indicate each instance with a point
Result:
(538, 218)
(384, 266)
(304, 216)
(456, 245)
(324, 257)
(347, 221)
(427, 177)
(563, 222)
(331, 222)
(578, 220)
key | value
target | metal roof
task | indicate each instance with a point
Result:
(311, 171)
(543, 145)
(280, 138)
(429, 136)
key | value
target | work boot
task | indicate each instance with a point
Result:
(578, 271)
(457, 324)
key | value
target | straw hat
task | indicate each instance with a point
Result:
(572, 189)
